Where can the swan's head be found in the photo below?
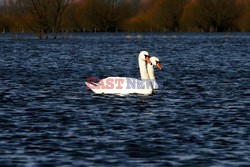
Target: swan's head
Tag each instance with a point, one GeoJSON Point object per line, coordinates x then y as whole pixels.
{"type": "Point", "coordinates": [144, 55]}
{"type": "Point", "coordinates": [156, 62]}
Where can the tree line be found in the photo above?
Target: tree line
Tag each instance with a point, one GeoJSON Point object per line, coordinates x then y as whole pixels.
{"type": "Point", "coordinates": [53, 16]}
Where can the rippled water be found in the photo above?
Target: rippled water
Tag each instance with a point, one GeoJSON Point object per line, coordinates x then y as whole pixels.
{"type": "Point", "coordinates": [200, 117]}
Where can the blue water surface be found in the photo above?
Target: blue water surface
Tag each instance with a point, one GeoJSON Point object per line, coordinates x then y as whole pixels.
{"type": "Point", "coordinates": [200, 117]}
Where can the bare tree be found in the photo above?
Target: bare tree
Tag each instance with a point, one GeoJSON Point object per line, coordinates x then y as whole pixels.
{"type": "Point", "coordinates": [59, 7]}
{"type": "Point", "coordinates": [104, 15]}
{"type": "Point", "coordinates": [42, 16]}
{"type": "Point", "coordinates": [217, 15]}
{"type": "Point", "coordinates": [168, 13]}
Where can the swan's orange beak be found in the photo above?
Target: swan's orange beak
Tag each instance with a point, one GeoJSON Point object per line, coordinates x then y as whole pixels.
{"type": "Point", "coordinates": [159, 65]}
{"type": "Point", "coordinates": [148, 60]}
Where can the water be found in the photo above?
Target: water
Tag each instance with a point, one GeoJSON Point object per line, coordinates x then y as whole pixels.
{"type": "Point", "coordinates": [200, 117]}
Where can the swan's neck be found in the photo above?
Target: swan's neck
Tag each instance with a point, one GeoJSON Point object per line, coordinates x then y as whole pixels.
{"type": "Point", "coordinates": [143, 69]}
{"type": "Point", "coordinates": [151, 74]}
{"type": "Point", "coordinates": [151, 71]}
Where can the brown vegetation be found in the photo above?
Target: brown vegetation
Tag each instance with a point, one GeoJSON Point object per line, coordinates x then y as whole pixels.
{"type": "Point", "coordinates": [214, 15]}
{"type": "Point", "coordinates": [53, 16]}
{"type": "Point", "coordinates": [41, 16]}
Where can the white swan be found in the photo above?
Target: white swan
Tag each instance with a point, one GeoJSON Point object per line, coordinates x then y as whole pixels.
{"type": "Point", "coordinates": [125, 85]}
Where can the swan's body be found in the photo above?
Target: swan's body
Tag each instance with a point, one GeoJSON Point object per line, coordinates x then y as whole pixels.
{"type": "Point", "coordinates": [121, 86]}
{"type": "Point", "coordinates": [125, 85]}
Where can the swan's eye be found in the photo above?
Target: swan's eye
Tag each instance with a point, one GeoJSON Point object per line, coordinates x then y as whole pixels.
{"type": "Point", "coordinates": [147, 56]}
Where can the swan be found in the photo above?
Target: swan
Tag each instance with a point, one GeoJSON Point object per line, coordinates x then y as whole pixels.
{"type": "Point", "coordinates": [126, 85]}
